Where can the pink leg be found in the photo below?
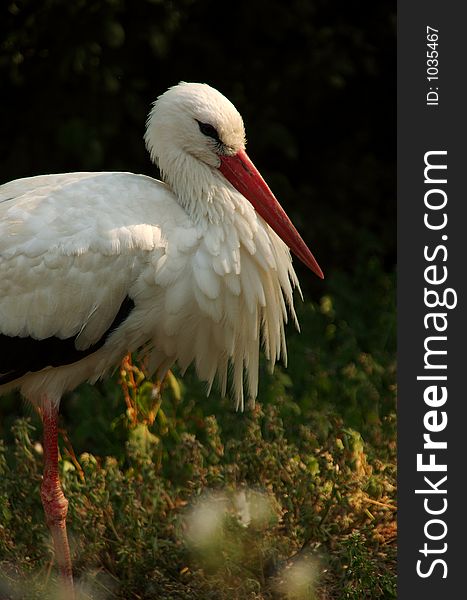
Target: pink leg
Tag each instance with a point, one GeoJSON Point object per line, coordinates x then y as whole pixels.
{"type": "Point", "coordinates": [54, 502]}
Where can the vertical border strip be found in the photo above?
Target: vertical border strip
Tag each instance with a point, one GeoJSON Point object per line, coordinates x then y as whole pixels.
{"type": "Point", "coordinates": [432, 316]}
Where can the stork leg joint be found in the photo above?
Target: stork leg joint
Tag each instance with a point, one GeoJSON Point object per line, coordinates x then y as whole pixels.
{"type": "Point", "coordinates": [54, 502]}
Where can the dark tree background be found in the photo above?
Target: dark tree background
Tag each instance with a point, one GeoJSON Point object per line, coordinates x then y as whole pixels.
{"type": "Point", "coordinates": [313, 79]}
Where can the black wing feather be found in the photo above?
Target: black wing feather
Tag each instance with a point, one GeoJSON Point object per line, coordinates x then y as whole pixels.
{"type": "Point", "coordinates": [21, 355]}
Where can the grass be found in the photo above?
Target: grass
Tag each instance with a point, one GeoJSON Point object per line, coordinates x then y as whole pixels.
{"type": "Point", "coordinates": [182, 498]}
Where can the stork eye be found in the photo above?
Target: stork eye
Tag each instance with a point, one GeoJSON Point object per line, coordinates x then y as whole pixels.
{"type": "Point", "coordinates": [208, 130]}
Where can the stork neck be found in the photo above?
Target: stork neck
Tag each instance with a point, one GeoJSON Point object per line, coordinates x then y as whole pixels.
{"type": "Point", "coordinates": [201, 190]}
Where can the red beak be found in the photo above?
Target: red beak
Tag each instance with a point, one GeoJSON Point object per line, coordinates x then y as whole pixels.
{"type": "Point", "coordinates": [246, 178]}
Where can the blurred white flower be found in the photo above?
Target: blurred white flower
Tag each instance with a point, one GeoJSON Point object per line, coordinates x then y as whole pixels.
{"type": "Point", "coordinates": [205, 520]}
{"type": "Point", "coordinates": [298, 578]}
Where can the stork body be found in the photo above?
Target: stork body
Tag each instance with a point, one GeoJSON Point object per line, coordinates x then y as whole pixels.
{"type": "Point", "coordinates": [80, 248]}
{"type": "Point", "coordinates": [190, 270]}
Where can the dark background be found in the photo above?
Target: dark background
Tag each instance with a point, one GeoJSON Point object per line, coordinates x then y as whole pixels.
{"type": "Point", "coordinates": [314, 81]}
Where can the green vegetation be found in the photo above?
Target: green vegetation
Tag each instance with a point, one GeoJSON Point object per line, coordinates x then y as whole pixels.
{"type": "Point", "coordinates": [174, 495]}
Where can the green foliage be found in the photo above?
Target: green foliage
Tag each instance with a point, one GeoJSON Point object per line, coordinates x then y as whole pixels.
{"type": "Point", "coordinates": [363, 579]}
{"type": "Point", "coordinates": [271, 501]}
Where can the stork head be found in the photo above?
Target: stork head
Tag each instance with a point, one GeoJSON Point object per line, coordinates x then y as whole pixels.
{"type": "Point", "coordinates": [195, 120]}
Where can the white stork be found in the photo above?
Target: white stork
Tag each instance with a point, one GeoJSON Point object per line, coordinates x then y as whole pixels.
{"type": "Point", "coordinates": [195, 268]}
